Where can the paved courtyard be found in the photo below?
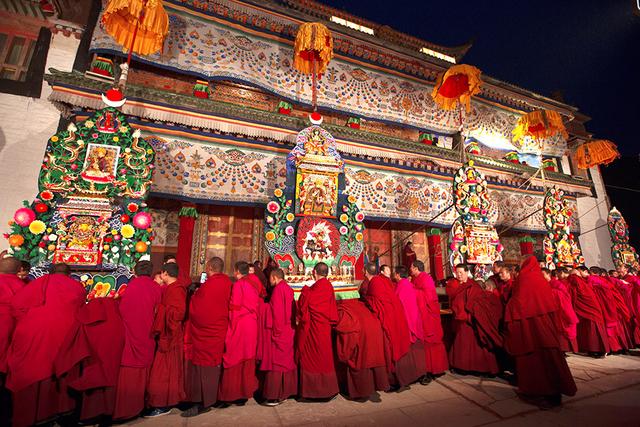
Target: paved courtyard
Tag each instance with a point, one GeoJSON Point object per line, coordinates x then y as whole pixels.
{"type": "Point", "coordinates": [608, 395]}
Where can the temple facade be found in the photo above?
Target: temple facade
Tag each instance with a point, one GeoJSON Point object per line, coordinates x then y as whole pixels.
{"type": "Point", "coordinates": [221, 106]}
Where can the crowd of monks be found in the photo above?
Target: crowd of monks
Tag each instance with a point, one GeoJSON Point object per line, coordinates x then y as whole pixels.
{"type": "Point", "coordinates": [165, 342]}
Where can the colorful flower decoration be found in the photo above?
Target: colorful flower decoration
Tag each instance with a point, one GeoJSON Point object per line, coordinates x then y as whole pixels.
{"type": "Point", "coordinates": [37, 227]}
{"type": "Point", "coordinates": [46, 195]}
{"type": "Point", "coordinates": [127, 231]}
{"type": "Point", "coordinates": [142, 220]}
{"type": "Point", "coordinates": [359, 217]}
{"type": "Point", "coordinates": [132, 207]}
{"type": "Point", "coordinates": [344, 218]}
{"type": "Point", "coordinates": [359, 237]}
{"type": "Point", "coordinates": [16, 240]}
{"type": "Point", "coordinates": [344, 230]}
{"type": "Point", "coordinates": [270, 236]}
{"type": "Point", "coordinates": [289, 231]}
{"type": "Point", "coordinates": [141, 247]}
{"type": "Point", "coordinates": [278, 192]}
{"type": "Point", "coordinates": [273, 207]}
{"type": "Point", "coordinates": [290, 217]}
{"type": "Point", "coordinates": [41, 207]}
{"type": "Point", "coordinates": [24, 216]}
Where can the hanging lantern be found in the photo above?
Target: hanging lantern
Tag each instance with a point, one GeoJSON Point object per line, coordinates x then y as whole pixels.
{"type": "Point", "coordinates": [102, 66]}
{"type": "Point", "coordinates": [314, 45]}
{"type": "Point", "coordinates": [201, 89]}
{"type": "Point", "coordinates": [285, 107]}
{"type": "Point", "coordinates": [426, 138]}
{"type": "Point", "coordinates": [550, 165]}
{"type": "Point", "coordinates": [539, 124]}
{"type": "Point", "coordinates": [137, 25]}
{"type": "Point", "coordinates": [598, 152]}
{"type": "Point", "coordinates": [512, 157]}
{"type": "Point", "coordinates": [457, 85]}
{"type": "Point", "coordinates": [353, 122]}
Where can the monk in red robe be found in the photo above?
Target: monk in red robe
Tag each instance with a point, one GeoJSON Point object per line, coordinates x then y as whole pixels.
{"type": "Point", "coordinates": [429, 307]}
{"type": "Point", "coordinates": [629, 286]}
{"type": "Point", "coordinates": [137, 308]}
{"type": "Point", "coordinates": [207, 329]}
{"type": "Point", "coordinates": [94, 349]}
{"type": "Point", "coordinates": [276, 344]}
{"type": "Point", "coordinates": [407, 294]}
{"type": "Point", "coordinates": [387, 307]}
{"type": "Point", "coordinates": [408, 255]}
{"type": "Point", "coordinates": [476, 321]}
{"type": "Point", "coordinates": [166, 379]}
{"type": "Point", "coordinates": [568, 319]}
{"type": "Point", "coordinates": [360, 350]}
{"type": "Point", "coordinates": [591, 332]}
{"type": "Point", "coordinates": [45, 312]}
{"type": "Point", "coordinates": [10, 284]}
{"type": "Point", "coordinates": [316, 314]}
{"type": "Point", "coordinates": [609, 298]}
{"type": "Point", "coordinates": [531, 338]}
{"type": "Point", "coordinates": [239, 382]}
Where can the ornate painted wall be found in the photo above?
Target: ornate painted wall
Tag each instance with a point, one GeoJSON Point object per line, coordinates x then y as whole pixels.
{"type": "Point", "coordinates": [227, 173]}
{"type": "Point", "coordinates": [210, 50]}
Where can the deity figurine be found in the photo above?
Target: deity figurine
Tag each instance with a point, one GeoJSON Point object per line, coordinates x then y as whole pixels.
{"type": "Point", "coordinates": [316, 144]}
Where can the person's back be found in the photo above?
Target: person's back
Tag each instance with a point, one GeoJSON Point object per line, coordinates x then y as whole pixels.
{"type": "Point", "coordinates": [317, 313]}
{"type": "Point", "coordinates": [206, 330]}
{"type": "Point", "coordinates": [137, 308]}
{"type": "Point", "coordinates": [238, 380]}
{"type": "Point", "coordinates": [45, 312]}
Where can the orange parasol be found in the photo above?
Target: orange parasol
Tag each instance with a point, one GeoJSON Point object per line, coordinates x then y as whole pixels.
{"type": "Point", "coordinates": [598, 152]}
{"type": "Point", "coordinates": [539, 124]}
{"type": "Point", "coordinates": [140, 26]}
{"type": "Point", "coordinates": [312, 51]}
{"type": "Point", "coordinates": [456, 86]}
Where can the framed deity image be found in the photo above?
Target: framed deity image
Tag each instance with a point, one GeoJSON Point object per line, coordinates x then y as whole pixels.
{"type": "Point", "coordinates": [100, 163]}
{"type": "Point", "coordinates": [316, 193]}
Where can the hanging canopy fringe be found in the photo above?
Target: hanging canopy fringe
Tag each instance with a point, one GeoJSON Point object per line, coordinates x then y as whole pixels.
{"type": "Point", "coordinates": [121, 17]}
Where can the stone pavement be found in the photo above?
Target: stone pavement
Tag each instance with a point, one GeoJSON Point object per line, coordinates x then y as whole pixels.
{"type": "Point", "coordinates": [608, 395]}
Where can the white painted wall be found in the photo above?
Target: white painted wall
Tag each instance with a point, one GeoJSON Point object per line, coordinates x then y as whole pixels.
{"type": "Point", "coordinates": [26, 124]}
{"type": "Point", "coordinates": [594, 233]}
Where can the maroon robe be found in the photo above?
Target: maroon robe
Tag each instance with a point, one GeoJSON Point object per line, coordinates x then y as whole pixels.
{"type": "Point", "coordinates": [316, 314]}
{"type": "Point", "coordinates": [387, 307]}
{"type": "Point", "coordinates": [531, 336]}
{"type": "Point", "coordinates": [94, 348]}
{"type": "Point", "coordinates": [408, 256]}
{"type": "Point", "coordinates": [429, 307]}
{"type": "Point", "coordinates": [10, 284]}
{"type": "Point", "coordinates": [567, 318]}
{"type": "Point", "coordinates": [207, 329]}
{"type": "Point", "coordinates": [360, 349]}
{"type": "Point", "coordinates": [45, 312]}
{"type": "Point", "coordinates": [476, 319]}
{"type": "Point", "coordinates": [166, 379]}
{"type": "Point", "coordinates": [276, 344]}
{"type": "Point", "coordinates": [591, 332]}
{"type": "Point", "coordinates": [137, 309]}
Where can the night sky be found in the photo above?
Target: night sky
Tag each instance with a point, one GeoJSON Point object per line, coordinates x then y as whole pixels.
{"type": "Point", "coordinates": [588, 50]}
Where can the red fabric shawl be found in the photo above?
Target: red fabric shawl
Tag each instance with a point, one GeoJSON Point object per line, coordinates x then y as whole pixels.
{"type": "Point", "coordinates": [96, 343]}
{"type": "Point", "coordinates": [531, 294]}
{"type": "Point", "coordinates": [485, 311]}
{"type": "Point", "coordinates": [316, 314]}
{"type": "Point", "coordinates": [45, 310]}
{"type": "Point", "coordinates": [585, 302]}
{"type": "Point", "coordinates": [456, 292]}
{"type": "Point", "coordinates": [624, 311]}
{"type": "Point", "coordinates": [278, 330]}
{"type": "Point", "coordinates": [257, 283]}
{"type": "Point", "coordinates": [568, 317]}
{"type": "Point", "coordinates": [408, 256]}
{"type": "Point", "coordinates": [209, 320]}
{"type": "Point", "coordinates": [10, 284]}
{"type": "Point", "coordinates": [168, 323]}
{"type": "Point", "coordinates": [137, 309]}
{"type": "Point", "coordinates": [387, 307]}
{"type": "Point", "coordinates": [429, 307]}
{"type": "Point", "coordinates": [606, 300]}
{"type": "Point", "coordinates": [360, 342]}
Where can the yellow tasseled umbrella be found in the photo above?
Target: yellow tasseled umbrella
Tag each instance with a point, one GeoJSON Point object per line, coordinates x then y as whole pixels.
{"type": "Point", "coordinates": [598, 152]}
{"type": "Point", "coordinates": [538, 125]}
{"type": "Point", "coordinates": [457, 85]}
{"type": "Point", "coordinates": [139, 26]}
{"type": "Point", "coordinates": [312, 52]}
